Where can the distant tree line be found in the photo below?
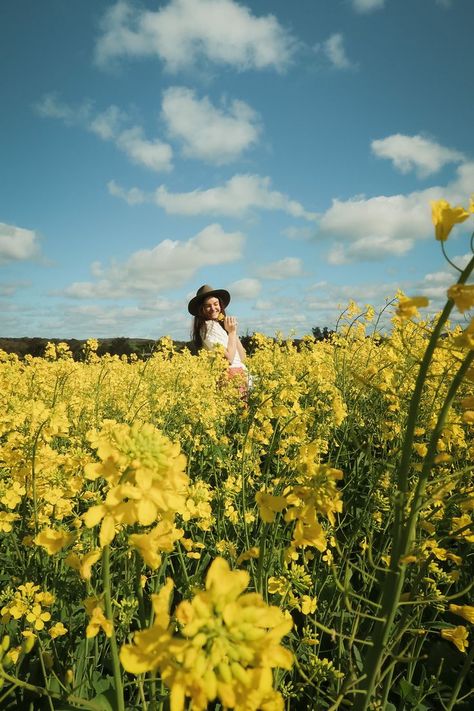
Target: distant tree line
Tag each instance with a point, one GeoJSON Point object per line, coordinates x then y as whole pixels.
{"type": "Point", "coordinates": [143, 348]}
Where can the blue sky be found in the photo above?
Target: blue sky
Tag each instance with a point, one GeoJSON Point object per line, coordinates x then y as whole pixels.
{"type": "Point", "coordinates": [287, 151]}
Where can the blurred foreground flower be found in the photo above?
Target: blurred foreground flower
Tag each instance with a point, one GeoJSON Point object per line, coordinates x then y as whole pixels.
{"type": "Point", "coordinates": [228, 644]}
{"type": "Point", "coordinates": [408, 308]}
{"type": "Point", "coordinates": [445, 217]}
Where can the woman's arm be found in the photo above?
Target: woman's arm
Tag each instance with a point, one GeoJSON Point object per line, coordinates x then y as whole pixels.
{"type": "Point", "coordinates": [230, 325]}
{"type": "Point", "coordinates": [241, 350]}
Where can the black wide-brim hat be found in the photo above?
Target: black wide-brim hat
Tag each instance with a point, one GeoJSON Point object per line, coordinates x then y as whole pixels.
{"type": "Point", "coordinates": [204, 292]}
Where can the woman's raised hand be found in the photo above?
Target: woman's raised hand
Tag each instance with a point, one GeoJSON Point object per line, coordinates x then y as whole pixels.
{"type": "Point", "coordinates": [230, 324]}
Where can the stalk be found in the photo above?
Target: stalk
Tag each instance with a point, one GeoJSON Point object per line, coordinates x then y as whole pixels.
{"type": "Point", "coordinates": [403, 529]}
{"type": "Point", "coordinates": [120, 705]}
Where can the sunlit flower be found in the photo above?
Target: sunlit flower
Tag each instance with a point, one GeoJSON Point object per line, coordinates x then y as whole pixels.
{"type": "Point", "coordinates": [408, 308]}
{"type": "Point", "coordinates": [457, 635]}
{"type": "Point", "coordinates": [445, 217]}
{"type": "Point", "coordinates": [160, 539]}
{"type": "Point", "coordinates": [97, 622]}
{"type": "Point", "coordinates": [227, 647]}
{"type": "Point", "coordinates": [83, 564]}
{"type": "Point", "coordinates": [53, 541]}
{"type": "Point", "coordinates": [57, 630]}
{"type": "Point", "coordinates": [462, 295]}
{"type": "Point", "coordinates": [269, 505]}
{"type": "Point", "coordinates": [465, 611]}
{"type": "Point", "coordinates": [37, 617]}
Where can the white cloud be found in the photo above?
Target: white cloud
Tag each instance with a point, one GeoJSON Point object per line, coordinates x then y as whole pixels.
{"type": "Point", "coordinates": [106, 125]}
{"type": "Point", "coordinates": [367, 5]}
{"type": "Point", "coordinates": [369, 248]}
{"type": "Point", "coordinates": [134, 196]}
{"type": "Point", "coordinates": [167, 266]}
{"type": "Point", "coordinates": [334, 50]}
{"type": "Point", "coordinates": [235, 198]}
{"type": "Point", "coordinates": [185, 31]}
{"type": "Point", "coordinates": [245, 288]}
{"type": "Point", "coordinates": [282, 269]}
{"type": "Point", "coordinates": [17, 244]}
{"type": "Point", "coordinates": [415, 153]}
{"type": "Point", "coordinates": [155, 155]}
{"type": "Point", "coordinates": [109, 125]}
{"type": "Point", "coordinates": [373, 228]}
{"type": "Point", "coordinates": [213, 134]}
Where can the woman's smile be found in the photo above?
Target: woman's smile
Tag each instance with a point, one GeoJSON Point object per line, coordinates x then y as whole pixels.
{"type": "Point", "coordinates": [212, 308]}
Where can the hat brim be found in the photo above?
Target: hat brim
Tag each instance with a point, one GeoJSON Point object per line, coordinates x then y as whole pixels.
{"type": "Point", "coordinates": [195, 303]}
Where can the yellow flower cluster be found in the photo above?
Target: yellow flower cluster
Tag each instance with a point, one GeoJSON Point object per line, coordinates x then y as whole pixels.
{"type": "Point", "coordinates": [227, 646]}
{"type": "Point", "coordinates": [145, 478]}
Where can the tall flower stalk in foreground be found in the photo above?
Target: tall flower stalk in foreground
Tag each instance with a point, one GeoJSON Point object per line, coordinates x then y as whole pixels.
{"type": "Point", "coordinates": [407, 504]}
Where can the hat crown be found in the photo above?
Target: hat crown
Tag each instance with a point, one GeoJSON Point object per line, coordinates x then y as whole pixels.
{"type": "Point", "coordinates": [204, 289]}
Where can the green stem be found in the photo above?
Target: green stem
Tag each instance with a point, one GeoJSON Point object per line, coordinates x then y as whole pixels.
{"type": "Point", "coordinates": [459, 681]}
{"type": "Point", "coordinates": [402, 528]}
{"type": "Point", "coordinates": [113, 640]}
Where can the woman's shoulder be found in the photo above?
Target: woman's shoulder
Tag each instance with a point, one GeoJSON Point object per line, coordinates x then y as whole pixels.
{"type": "Point", "coordinates": [213, 330]}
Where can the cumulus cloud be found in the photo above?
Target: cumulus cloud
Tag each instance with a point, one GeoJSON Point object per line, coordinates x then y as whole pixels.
{"type": "Point", "coordinates": [236, 198]}
{"type": "Point", "coordinates": [369, 248]}
{"type": "Point", "coordinates": [367, 5]}
{"type": "Point", "coordinates": [184, 32]}
{"type": "Point", "coordinates": [155, 155]}
{"type": "Point", "coordinates": [111, 125]}
{"type": "Point", "coordinates": [107, 124]}
{"type": "Point", "coordinates": [335, 51]}
{"type": "Point", "coordinates": [373, 228]}
{"type": "Point", "coordinates": [167, 266]}
{"type": "Point", "coordinates": [17, 244]}
{"type": "Point", "coordinates": [282, 269]}
{"type": "Point", "coordinates": [245, 288]}
{"type": "Point", "coordinates": [216, 135]}
{"type": "Point", "coordinates": [415, 153]}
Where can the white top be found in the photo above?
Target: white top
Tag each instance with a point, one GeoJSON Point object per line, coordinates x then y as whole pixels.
{"type": "Point", "coordinates": [215, 334]}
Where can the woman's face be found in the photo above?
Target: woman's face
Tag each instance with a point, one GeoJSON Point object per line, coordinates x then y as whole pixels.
{"type": "Point", "coordinates": [211, 308]}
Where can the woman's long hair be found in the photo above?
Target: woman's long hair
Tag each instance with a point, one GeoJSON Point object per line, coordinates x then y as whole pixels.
{"type": "Point", "coordinates": [199, 325]}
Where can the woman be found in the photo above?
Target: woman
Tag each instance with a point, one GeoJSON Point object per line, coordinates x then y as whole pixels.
{"type": "Point", "coordinates": [211, 326]}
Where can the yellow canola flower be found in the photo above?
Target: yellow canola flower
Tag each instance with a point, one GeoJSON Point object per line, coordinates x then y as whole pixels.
{"type": "Point", "coordinates": [464, 611]}
{"type": "Point", "coordinates": [161, 538]}
{"type": "Point", "coordinates": [460, 527]}
{"type": "Point", "coordinates": [37, 617]}
{"type": "Point", "coordinates": [457, 635]}
{"type": "Point", "coordinates": [462, 295]}
{"type": "Point", "coordinates": [57, 630]}
{"type": "Point", "coordinates": [83, 564]}
{"type": "Point", "coordinates": [253, 552]}
{"type": "Point", "coordinates": [408, 308]}
{"type": "Point", "coordinates": [53, 541]}
{"type": "Point", "coordinates": [146, 473]}
{"type": "Point", "coordinates": [97, 622]}
{"type": "Point", "coordinates": [229, 642]}
{"type": "Point", "coordinates": [269, 505]}
{"type": "Point", "coordinates": [445, 217]}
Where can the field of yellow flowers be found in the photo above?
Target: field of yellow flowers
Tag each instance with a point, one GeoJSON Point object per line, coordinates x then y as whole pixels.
{"type": "Point", "coordinates": [169, 544]}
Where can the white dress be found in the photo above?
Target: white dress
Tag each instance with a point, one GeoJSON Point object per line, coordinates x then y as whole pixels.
{"type": "Point", "coordinates": [212, 334]}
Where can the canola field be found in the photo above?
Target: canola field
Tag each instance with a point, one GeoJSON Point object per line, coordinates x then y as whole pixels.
{"type": "Point", "coordinates": [170, 544]}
